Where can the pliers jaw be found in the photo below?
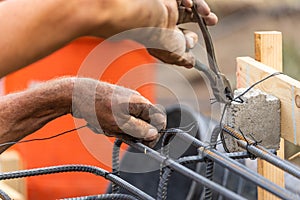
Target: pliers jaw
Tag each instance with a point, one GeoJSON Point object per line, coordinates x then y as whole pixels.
{"type": "Point", "coordinates": [219, 84]}
{"type": "Point", "coordinates": [222, 90]}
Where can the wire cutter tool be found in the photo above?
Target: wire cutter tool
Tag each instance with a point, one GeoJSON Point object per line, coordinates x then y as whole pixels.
{"type": "Point", "coordinates": [219, 83]}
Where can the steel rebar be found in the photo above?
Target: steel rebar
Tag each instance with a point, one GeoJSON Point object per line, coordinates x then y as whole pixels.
{"type": "Point", "coordinates": [116, 164]}
{"type": "Point", "coordinates": [184, 170]}
{"type": "Point", "coordinates": [77, 168]}
{"type": "Point", "coordinates": [263, 153]}
{"type": "Point", "coordinates": [238, 168]}
{"type": "Point", "coordinates": [104, 197]}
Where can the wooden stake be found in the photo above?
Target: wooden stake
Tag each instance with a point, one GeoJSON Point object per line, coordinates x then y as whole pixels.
{"type": "Point", "coordinates": [268, 50]}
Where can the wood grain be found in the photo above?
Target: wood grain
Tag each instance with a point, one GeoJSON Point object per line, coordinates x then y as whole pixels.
{"type": "Point", "coordinates": [268, 51]}
{"type": "Point", "coordinates": [284, 87]}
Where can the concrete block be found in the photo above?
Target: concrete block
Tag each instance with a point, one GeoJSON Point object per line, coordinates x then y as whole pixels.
{"type": "Point", "coordinates": [258, 116]}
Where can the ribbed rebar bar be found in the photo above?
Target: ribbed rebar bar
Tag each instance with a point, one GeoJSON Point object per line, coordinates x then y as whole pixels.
{"type": "Point", "coordinates": [184, 170]}
{"type": "Point", "coordinates": [77, 168]}
{"type": "Point", "coordinates": [210, 163]}
{"type": "Point", "coordinates": [104, 197]}
{"type": "Point", "coordinates": [263, 153]}
{"type": "Point", "coordinates": [116, 164]}
{"type": "Point", "coordinates": [238, 168]}
{"type": "Point", "coordinates": [244, 154]}
{"type": "Point", "coordinates": [161, 194]}
{"type": "Point", "coordinates": [162, 189]}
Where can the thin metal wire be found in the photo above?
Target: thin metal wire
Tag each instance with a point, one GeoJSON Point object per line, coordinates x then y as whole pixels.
{"type": "Point", "coordinates": [42, 139]}
{"type": "Point", "coordinates": [238, 98]}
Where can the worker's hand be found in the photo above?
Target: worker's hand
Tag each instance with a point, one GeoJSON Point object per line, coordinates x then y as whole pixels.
{"type": "Point", "coordinates": [175, 44]}
{"type": "Point", "coordinates": [117, 111]}
{"type": "Point", "coordinates": [186, 14]}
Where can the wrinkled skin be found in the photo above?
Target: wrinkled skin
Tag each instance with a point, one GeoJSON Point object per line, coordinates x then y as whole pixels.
{"type": "Point", "coordinates": [176, 45]}
{"type": "Point", "coordinates": [117, 111]}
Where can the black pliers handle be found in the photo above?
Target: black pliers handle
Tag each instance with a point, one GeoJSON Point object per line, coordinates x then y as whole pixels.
{"type": "Point", "coordinates": [219, 83]}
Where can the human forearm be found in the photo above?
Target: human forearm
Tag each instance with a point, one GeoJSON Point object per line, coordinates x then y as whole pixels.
{"type": "Point", "coordinates": [34, 29]}
{"type": "Point", "coordinates": [23, 113]}
{"type": "Point", "coordinates": [107, 108]}
{"type": "Point", "coordinates": [122, 16]}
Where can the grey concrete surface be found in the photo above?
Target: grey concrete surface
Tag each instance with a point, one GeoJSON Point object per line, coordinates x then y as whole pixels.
{"type": "Point", "coordinates": [258, 117]}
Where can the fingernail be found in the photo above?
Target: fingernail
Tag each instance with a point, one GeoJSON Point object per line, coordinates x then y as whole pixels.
{"type": "Point", "coordinates": [152, 134]}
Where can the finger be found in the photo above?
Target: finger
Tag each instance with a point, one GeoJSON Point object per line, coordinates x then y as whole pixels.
{"type": "Point", "coordinates": [202, 7]}
{"type": "Point", "coordinates": [149, 113]}
{"type": "Point", "coordinates": [191, 38]}
{"type": "Point", "coordinates": [138, 107]}
{"type": "Point", "coordinates": [158, 117]}
{"type": "Point", "coordinates": [185, 15]}
{"type": "Point", "coordinates": [187, 60]}
{"type": "Point", "coordinates": [152, 143]}
{"type": "Point", "coordinates": [139, 129]}
{"type": "Point", "coordinates": [211, 19]}
{"type": "Point", "coordinates": [187, 3]}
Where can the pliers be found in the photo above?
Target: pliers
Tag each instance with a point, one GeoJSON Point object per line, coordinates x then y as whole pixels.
{"type": "Point", "coordinates": [219, 83]}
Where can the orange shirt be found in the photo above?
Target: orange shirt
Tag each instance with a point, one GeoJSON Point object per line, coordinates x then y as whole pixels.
{"type": "Point", "coordinates": [118, 63]}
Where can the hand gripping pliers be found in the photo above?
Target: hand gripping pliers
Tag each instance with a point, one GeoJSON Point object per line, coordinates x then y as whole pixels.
{"type": "Point", "coordinates": [219, 83]}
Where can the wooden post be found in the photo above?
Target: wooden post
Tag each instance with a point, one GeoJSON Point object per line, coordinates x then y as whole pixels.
{"type": "Point", "coordinates": [287, 89]}
{"type": "Point", "coordinates": [268, 50]}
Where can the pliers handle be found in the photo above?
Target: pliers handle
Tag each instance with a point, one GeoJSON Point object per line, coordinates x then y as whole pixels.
{"type": "Point", "coordinates": [219, 83]}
